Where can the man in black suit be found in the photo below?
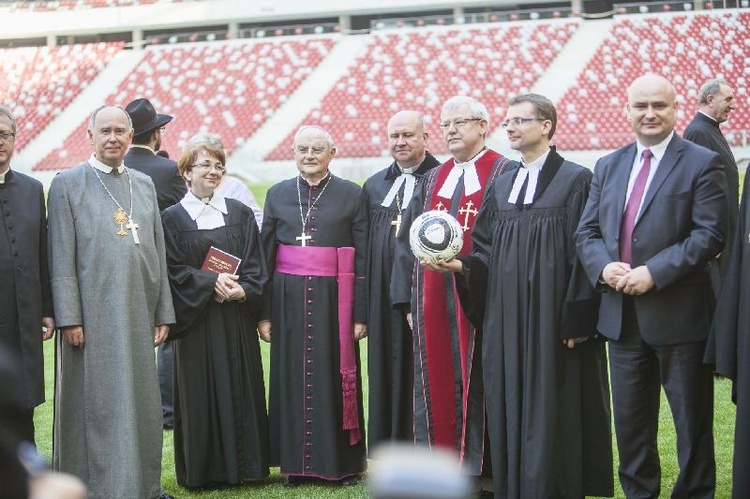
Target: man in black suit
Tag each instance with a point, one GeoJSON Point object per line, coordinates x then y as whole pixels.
{"type": "Point", "coordinates": [716, 102]}
{"type": "Point", "coordinates": [655, 217]}
{"type": "Point", "coordinates": [148, 128]}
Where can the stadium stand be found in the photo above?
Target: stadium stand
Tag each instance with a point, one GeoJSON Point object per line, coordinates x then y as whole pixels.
{"type": "Point", "coordinates": [77, 4]}
{"type": "Point", "coordinates": [39, 82]}
{"type": "Point", "coordinates": [226, 88]}
{"type": "Point", "coordinates": [421, 68]}
{"type": "Point", "coordinates": [686, 48]}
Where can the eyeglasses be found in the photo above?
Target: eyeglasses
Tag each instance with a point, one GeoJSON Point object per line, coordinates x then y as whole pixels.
{"type": "Point", "coordinates": [207, 166]}
{"type": "Point", "coordinates": [304, 150]}
{"type": "Point", "coordinates": [458, 123]}
{"type": "Point", "coordinates": [520, 121]}
{"type": "Point", "coordinates": [162, 130]}
{"type": "Point", "coordinates": [9, 136]}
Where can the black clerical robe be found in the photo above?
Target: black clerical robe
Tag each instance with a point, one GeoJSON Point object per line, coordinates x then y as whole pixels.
{"type": "Point", "coordinates": [220, 421]}
{"type": "Point", "coordinates": [26, 296]}
{"type": "Point", "coordinates": [389, 343]}
{"type": "Point", "coordinates": [305, 399]}
{"type": "Point", "coordinates": [728, 345]}
{"type": "Point", "coordinates": [547, 405]}
{"type": "Point", "coordinates": [705, 132]}
{"type": "Point", "coordinates": [448, 394]}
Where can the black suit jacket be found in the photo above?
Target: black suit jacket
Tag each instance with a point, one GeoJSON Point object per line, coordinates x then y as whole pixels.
{"type": "Point", "coordinates": [170, 186]}
{"type": "Point", "coordinates": [682, 226]}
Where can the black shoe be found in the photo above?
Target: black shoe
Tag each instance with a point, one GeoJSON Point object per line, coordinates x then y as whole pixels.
{"type": "Point", "coordinates": [165, 495]}
{"type": "Point", "coordinates": [349, 481]}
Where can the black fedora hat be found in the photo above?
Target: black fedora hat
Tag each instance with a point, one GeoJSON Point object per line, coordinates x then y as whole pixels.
{"type": "Point", "coordinates": [144, 116]}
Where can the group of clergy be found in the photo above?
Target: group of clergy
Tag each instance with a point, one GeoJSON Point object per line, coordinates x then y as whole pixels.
{"type": "Point", "coordinates": [497, 355]}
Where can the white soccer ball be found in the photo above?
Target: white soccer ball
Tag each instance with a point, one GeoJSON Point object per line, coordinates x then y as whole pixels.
{"type": "Point", "coordinates": [435, 236]}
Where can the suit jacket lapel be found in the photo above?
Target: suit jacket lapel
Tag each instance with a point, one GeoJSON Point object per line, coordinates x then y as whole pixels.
{"type": "Point", "coordinates": [666, 165]}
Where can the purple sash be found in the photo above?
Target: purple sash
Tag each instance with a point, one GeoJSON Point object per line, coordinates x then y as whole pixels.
{"type": "Point", "coordinates": [332, 262]}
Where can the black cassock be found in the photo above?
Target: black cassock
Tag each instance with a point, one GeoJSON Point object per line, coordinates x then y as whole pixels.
{"type": "Point", "coordinates": [728, 345]}
{"type": "Point", "coordinates": [547, 405]}
{"type": "Point", "coordinates": [305, 399]}
{"type": "Point", "coordinates": [705, 132]}
{"type": "Point", "coordinates": [220, 421]}
{"type": "Point", "coordinates": [389, 342]}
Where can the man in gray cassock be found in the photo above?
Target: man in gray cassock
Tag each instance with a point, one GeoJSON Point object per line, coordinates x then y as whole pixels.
{"type": "Point", "coordinates": [113, 304]}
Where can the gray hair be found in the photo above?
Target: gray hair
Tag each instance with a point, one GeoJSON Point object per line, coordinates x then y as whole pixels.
{"type": "Point", "coordinates": [4, 111]}
{"type": "Point", "coordinates": [322, 130]}
{"type": "Point", "coordinates": [206, 137]}
{"type": "Point", "coordinates": [92, 120]}
{"type": "Point", "coordinates": [478, 110]}
{"type": "Point", "coordinates": [711, 87]}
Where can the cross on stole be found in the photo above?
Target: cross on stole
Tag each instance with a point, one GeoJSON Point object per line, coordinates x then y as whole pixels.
{"type": "Point", "coordinates": [467, 211]}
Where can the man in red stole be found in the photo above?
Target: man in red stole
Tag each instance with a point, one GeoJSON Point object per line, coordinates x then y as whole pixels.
{"type": "Point", "coordinates": [448, 395]}
{"type": "Point", "coordinates": [314, 238]}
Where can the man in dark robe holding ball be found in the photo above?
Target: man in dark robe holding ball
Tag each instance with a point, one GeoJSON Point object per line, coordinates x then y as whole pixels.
{"type": "Point", "coordinates": [545, 376]}
{"type": "Point", "coordinates": [448, 397]}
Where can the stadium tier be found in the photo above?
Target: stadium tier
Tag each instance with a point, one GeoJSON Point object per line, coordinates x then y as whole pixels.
{"type": "Point", "coordinates": [39, 82]}
{"type": "Point", "coordinates": [76, 4]}
{"type": "Point", "coordinates": [421, 68]}
{"type": "Point", "coordinates": [226, 88]}
{"type": "Point", "coordinates": [688, 49]}
{"type": "Point", "coordinates": [231, 88]}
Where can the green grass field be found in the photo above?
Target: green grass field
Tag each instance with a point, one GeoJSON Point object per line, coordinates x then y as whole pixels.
{"type": "Point", "coordinates": [724, 412]}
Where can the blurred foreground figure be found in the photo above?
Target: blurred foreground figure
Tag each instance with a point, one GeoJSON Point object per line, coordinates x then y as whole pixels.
{"type": "Point", "coordinates": [408, 472]}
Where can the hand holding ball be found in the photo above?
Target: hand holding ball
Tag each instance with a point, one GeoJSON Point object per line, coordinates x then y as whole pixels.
{"type": "Point", "coordinates": [435, 236]}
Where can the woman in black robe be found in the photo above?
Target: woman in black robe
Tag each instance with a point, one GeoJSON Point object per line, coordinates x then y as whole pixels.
{"type": "Point", "coordinates": [221, 424]}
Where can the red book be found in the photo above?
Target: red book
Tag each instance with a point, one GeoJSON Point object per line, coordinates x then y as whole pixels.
{"type": "Point", "coordinates": [220, 262]}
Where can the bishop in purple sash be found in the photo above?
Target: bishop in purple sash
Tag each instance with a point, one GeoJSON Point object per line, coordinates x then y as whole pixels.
{"type": "Point", "coordinates": [314, 312]}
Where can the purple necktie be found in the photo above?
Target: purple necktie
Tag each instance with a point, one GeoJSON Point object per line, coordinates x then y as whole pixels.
{"type": "Point", "coordinates": [631, 209]}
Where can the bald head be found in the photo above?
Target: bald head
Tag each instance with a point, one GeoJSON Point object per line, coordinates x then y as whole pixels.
{"type": "Point", "coordinates": [407, 139]}
{"type": "Point", "coordinates": [652, 108]}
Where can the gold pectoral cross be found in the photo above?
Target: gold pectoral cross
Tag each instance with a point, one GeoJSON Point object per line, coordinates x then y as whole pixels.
{"type": "Point", "coordinates": [397, 223]}
{"type": "Point", "coordinates": [303, 238]}
{"type": "Point", "coordinates": [120, 219]}
{"type": "Point", "coordinates": [133, 227]}
{"type": "Point", "coordinates": [467, 211]}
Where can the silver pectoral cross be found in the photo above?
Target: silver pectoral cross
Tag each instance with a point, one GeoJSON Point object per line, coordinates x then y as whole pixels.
{"type": "Point", "coordinates": [133, 227]}
{"type": "Point", "coordinates": [303, 238]}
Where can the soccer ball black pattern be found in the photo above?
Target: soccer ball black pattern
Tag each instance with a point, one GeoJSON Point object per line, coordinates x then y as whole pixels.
{"type": "Point", "coordinates": [435, 236]}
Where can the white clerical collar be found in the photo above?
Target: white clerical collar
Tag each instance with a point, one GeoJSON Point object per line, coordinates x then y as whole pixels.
{"type": "Point", "coordinates": [142, 146]}
{"type": "Point", "coordinates": [207, 213]}
{"type": "Point", "coordinates": [2, 176]}
{"type": "Point", "coordinates": [93, 161]}
{"type": "Point", "coordinates": [531, 172]}
{"type": "Point", "coordinates": [469, 172]}
{"type": "Point", "coordinates": [708, 116]}
{"type": "Point", "coordinates": [409, 171]}
{"type": "Point", "coordinates": [658, 150]}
